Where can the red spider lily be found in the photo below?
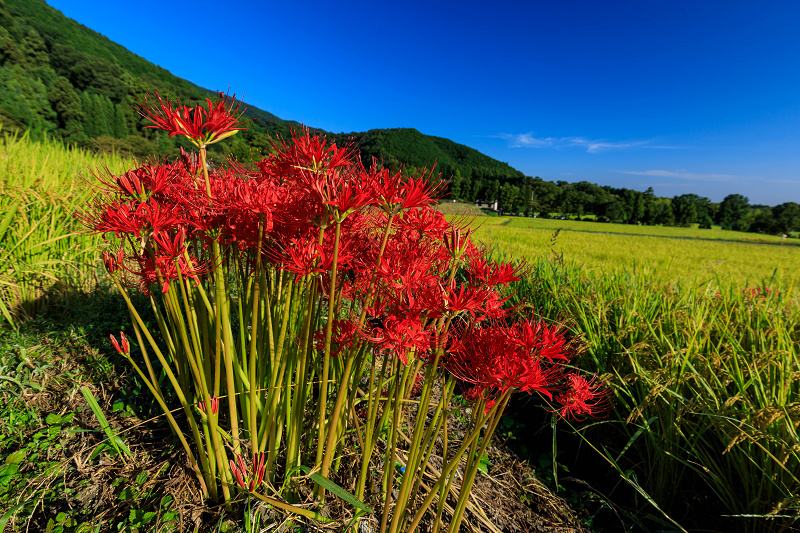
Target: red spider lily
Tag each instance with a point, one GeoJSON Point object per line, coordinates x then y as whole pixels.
{"type": "Point", "coordinates": [249, 480]}
{"type": "Point", "coordinates": [125, 349]}
{"type": "Point", "coordinates": [757, 292]}
{"type": "Point", "coordinates": [203, 126]}
{"type": "Point", "coordinates": [344, 335]}
{"type": "Point", "coordinates": [349, 196]}
{"type": "Point", "coordinates": [421, 191]}
{"type": "Point", "coordinates": [386, 187]}
{"type": "Point", "coordinates": [486, 357]}
{"type": "Point", "coordinates": [456, 240]}
{"type": "Point", "coordinates": [492, 274]}
{"type": "Point", "coordinates": [173, 247]}
{"type": "Point", "coordinates": [146, 218]}
{"type": "Point", "coordinates": [492, 306]}
{"type": "Point", "coordinates": [539, 339]}
{"type": "Point", "coordinates": [395, 191]}
{"type": "Point", "coordinates": [255, 197]}
{"type": "Point", "coordinates": [303, 257]}
{"type": "Point", "coordinates": [467, 299]}
{"type": "Point", "coordinates": [214, 401]}
{"type": "Point", "coordinates": [113, 263]}
{"type": "Point", "coordinates": [476, 393]}
{"type": "Point", "coordinates": [584, 397]}
{"type": "Point", "coordinates": [143, 182]}
{"type": "Point", "coordinates": [401, 336]}
{"type": "Point", "coordinates": [313, 153]}
{"type": "Point", "coordinates": [164, 269]}
{"type": "Point", "coordinates": [117, 217]}
{"type": "Point", "coordinates": [424, 220]}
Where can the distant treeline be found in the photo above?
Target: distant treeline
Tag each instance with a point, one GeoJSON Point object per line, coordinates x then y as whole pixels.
{"type": "Point", "coordinates": [58, 78]}
{"type": "Point", "coordinates": [583, 199]}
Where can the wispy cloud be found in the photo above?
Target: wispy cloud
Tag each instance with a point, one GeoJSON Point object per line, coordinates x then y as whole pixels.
{"type": "Point", "coordinates": [592, 146]}
{"type": "Point", "coordinates": [681, 174]}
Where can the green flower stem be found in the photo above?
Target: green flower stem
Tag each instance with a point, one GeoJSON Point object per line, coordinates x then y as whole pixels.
{"type": "Point", "coordinates": [181, 397]}
{"type": "Point", "coordinates": [372, 414]}
{"type": "Point", "coordinates": [416, 449]}
{"type": "Point", "coordinates": [326, 358]}
{"type": "Point", "coordinates": [391, 452]}
{"type": "Point", "coordinates": [212, 460]}
{"type": "Point", "coordinates": [269, 417]}
{"type": "Point", "coordinates": [448, 468]}
{"type": "Point", "coordinates": [445, 490]}
{"type": "Point", "coordinates": [188, 353]}
{"type": "Point", "coordinates": [204, 165]}
{"type": "Point", "coordinates": [174, 425]}
{"type": "Point", "coordinates": [435, 427]}
{"type": "Point", "coordinates": [148, 364]}
{"type": "Point", "coordinates": [341, 397]}
{"type": "Point", "coordinates": [253, 338]}
{"type": "Point", "coordinates": [223, 322]}
{"type": "Point", "coordinates": [473, 460]}
{"type": "Point", "coordinates": [298, 400]}
{"type": "Point", "coordinates": [293, 509]}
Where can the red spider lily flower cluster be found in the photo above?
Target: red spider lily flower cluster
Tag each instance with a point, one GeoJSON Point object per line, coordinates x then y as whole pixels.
{"type": "Point", "coordinates": [400, 263]}
{"type": "Point", "coordinates": [583, 397]}
{"type": "Point", "coordinates": [249, 479]}
{"type": "Point", "coordinates": [526, 356]}
{"type": "Point", "coordinates": [203, 126]}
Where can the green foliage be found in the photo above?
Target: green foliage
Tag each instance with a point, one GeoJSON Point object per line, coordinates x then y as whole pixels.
{"type": "Point", "coordinates": [733, 212]}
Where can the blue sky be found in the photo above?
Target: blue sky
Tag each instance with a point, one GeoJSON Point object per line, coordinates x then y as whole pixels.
{"type": "Point", "coordinates": [686, 97]}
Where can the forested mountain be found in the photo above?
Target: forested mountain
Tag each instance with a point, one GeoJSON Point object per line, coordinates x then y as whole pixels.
{"type": "Point", "coordinates": [407, 146]}
{"type": "Point", "coordinates": [62, 79]}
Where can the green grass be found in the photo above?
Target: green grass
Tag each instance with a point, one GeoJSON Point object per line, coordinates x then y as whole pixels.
{"type": "Point", "coordinates": [43, 251]}
{"type": "Point", "coordinates": [706, 377]}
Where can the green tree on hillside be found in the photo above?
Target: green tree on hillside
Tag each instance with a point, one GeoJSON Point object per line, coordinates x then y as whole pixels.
{"type": "Point", "coordinates": [66, 102]}
{"type": "Point", "coordinates": [26, 99]}
{"type": "Point", "coordinates": [684, 207]}
{"type": "Point", "coordinates": [509, 197]}
{"type": "Point", "coordinates": [34, 50]}
{"type": "Point", "coordinates": [787, 216]}
{"type": "Point", "coordinates": [733, 213]}
{"type": "Point", "coordinates": [119, 125]}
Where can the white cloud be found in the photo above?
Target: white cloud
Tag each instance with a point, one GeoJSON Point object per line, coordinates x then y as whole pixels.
{"type": "Point", "coordinates": [592, 146]}
{"type": "Point", "coordinates": [527, 140]}
{"type": "Point", "coordinates": [680, 174]}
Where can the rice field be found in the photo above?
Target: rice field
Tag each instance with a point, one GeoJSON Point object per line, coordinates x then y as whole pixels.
{"type": "Point", "coordinates": [699, 340]}
{"type": "Point", "coordinates": [42, 250]}
{"type": "Point", "coordinates": [663, 253]}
